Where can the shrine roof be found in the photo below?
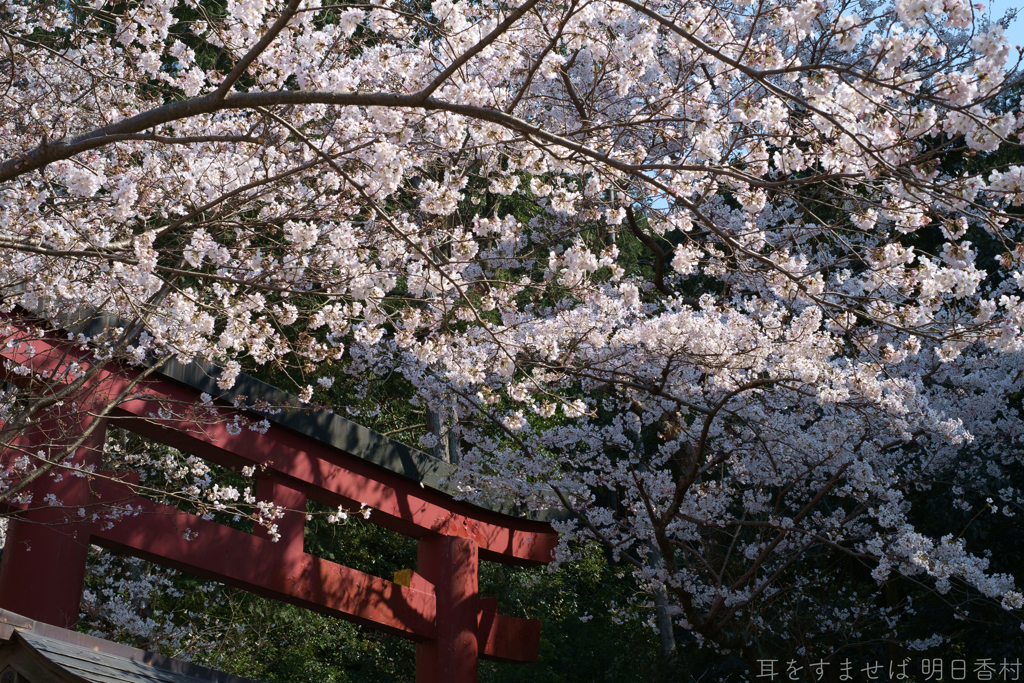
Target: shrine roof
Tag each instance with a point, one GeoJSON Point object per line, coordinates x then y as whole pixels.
{"type": "Point", "coordinates": [41, 653]}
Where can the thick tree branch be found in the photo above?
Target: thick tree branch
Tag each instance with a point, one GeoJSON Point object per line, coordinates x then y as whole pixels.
{"type": "Point", "coordinates": [286, 15]}
{"type": "Point", "coordinates": [660, 256]}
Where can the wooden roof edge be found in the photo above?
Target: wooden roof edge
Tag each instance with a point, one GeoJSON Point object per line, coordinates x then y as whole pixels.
{"type": "Point", "coordinates": [12, 623]}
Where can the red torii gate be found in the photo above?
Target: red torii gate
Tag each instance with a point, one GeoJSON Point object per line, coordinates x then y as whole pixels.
{"type": "Point", "coordinates": [322, 457]}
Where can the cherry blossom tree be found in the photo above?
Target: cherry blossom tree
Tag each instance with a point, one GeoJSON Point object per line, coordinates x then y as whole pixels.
{"type": "Point", "coordinates": [735, 282]}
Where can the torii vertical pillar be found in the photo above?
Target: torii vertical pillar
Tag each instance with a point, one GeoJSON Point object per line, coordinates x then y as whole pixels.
{"type": "Point", "coordinates": [451, 564]}
{"type": "Point", "coordinates": [43, 567]}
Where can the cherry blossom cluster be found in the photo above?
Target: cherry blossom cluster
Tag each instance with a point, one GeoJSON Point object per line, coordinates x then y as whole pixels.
{"type": "Point", "coordinates": [737, 282]}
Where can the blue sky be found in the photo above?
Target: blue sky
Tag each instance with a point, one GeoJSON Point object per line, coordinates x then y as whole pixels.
{"type": "Point", "coordinates": [998, 7]}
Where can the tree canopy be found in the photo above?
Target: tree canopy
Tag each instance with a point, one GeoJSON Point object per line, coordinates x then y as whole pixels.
{"type": "Point", "coordinates": [736, 283]}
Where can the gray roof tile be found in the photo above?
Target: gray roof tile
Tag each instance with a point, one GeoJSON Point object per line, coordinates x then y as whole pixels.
{"type": "Point", "coordinates": [100, 661]}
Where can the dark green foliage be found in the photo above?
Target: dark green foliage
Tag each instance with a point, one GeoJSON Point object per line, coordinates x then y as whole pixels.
{"type": "Point", "coordinates": [598, 647]}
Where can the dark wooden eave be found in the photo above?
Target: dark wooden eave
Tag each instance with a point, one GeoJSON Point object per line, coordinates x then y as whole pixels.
{"type": "Point", "coordinates": [40, 653]}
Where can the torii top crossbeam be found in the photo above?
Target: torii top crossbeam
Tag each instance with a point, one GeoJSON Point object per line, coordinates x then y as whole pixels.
{"type": "Point", "coordinates": [320, 457]}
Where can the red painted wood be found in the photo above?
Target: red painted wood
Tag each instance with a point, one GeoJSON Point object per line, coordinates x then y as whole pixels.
{"type": "Point", "coordinates": [333, 477]}
{"type": "Point", "coordinates": [398, 503]}
{"type": "Point", "coordinates": [441, 610]}
{"type": "Point", "coordinates": [161, 534]}
{"type": "Point", "coordinates": [506, 639]}
{"type": "Point", "coordinates": [43, 566]}
{"type": "Point", "coordinates": [451, 564]}
{"type": "Point", "coordinates": [291, 527]}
